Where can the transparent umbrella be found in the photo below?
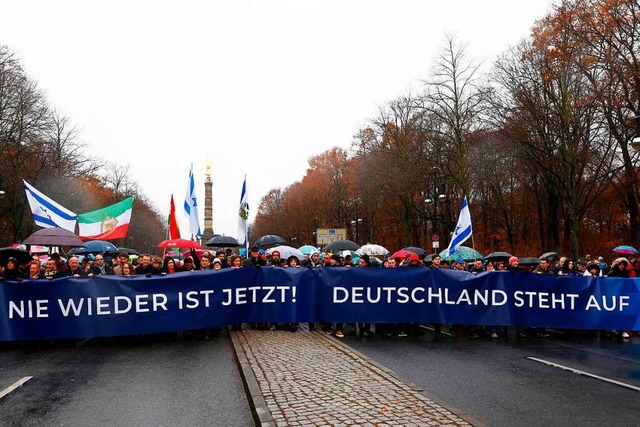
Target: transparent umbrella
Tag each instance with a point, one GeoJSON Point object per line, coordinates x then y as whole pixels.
{"type": "Point", "coordinates": [287, 251]}
{"type": "Point", "coordinates": [464, 252]}
{"type": "Point", "coordinates": [372, 250]}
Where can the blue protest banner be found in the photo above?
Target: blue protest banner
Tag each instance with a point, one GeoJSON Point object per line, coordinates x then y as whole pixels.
{"type": "Point", "coordinates": [117, 305]}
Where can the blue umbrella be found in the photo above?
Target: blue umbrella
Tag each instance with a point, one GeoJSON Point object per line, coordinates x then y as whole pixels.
{"type": "Point", "coordinates": [94, 247]}
{"type": "Point", "coordinates": [307, 249]}
{"type": "Point", "coordinates": [625, 250]}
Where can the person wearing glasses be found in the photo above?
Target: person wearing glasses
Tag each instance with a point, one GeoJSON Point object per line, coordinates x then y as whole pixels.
{"type": "Point", "coordinates": [99, 267]}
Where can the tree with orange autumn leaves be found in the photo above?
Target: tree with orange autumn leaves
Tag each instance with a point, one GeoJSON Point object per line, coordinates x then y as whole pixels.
{"type": "Point", "coordinates": [41, 146]}
{"type": "Point", "coordinates": [539, 146]}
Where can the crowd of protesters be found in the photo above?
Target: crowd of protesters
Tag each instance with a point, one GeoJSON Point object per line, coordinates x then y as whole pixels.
{"type": "Point", "coordinates": [124, 264]}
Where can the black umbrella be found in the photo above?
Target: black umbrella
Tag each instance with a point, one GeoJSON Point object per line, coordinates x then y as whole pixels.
{"type": "Point", "coordinates": [528, 261]}
{"type": "Point", "coordinates": [222, 242]}
{"type": "Point", "coordinates": [550, 256]}
{"type": "Point", "coordinates": [53, 237]}
{"type": "Point", "coordinates": [498, 256]}
{"type": "Point", "coordinates": [341, 245]}
{"type": "Point", "coordinates": [269, 241]}
{"type": "Point", "coordinates": [429, 258]}
{"type": "Point", "coordinates": [128, 251]}
{"type": "Point", "coordinates": [21, 256]}
{"type": "Point", "coordinates": [94, 247]}
{"type": "Point", "coordinates": [418, 251]}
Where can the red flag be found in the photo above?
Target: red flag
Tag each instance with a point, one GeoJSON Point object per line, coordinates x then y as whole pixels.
{"type": "Point", "coordinates": [174, 230]}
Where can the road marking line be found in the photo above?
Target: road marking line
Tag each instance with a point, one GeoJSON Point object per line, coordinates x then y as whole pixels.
{"type": "Point", "coordinates": [442, 332]}
{"type": "Point", "coordinates": [14, 386]}
{"type": "Point", "coordinates": [587, 374]}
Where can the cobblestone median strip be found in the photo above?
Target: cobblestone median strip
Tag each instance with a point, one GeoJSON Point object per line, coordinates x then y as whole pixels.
{"type": "Point", "coordinates": [307, 378]}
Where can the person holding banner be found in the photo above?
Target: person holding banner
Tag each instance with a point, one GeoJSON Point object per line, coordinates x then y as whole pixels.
{"type": "Point", "coordinates": [169, 266]}
{"type": "Point", "coordinates": [122, 259]}
{"type": "Point", "coordinates": [74, 268]}
{"type": "Point", "coordinates": [99, 267]}
{"type": "Point", "coordinates": [275, 260]}
{"type": "Point", "coordinates": [205, 262]}
{"type": "Point", "coordinates": [254, 259]}
{"type": "Point", "coordinates": [35, 272]}
{"type": "Point", "coordinates": [51, 270]}
{"type": "Point", "coordinates": [11, 270]}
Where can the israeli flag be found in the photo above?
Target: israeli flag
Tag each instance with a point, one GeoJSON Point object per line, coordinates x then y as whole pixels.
{"type": "Point", "coordinates": [243, 214]}
{"type": "Point", "coordinates": [463, 230]}
{"type": "Point", "coordinates": [191, 206]}
{"type": "Point", "coordinates": [47, 213]}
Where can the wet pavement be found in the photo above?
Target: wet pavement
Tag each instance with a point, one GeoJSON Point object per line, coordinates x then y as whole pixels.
{"type": "Point", "coordinates": [309, 378]}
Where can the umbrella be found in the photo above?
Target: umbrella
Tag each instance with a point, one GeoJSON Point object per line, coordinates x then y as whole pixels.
{"type": "Point", "coordinates": [429, 258]}
{"type": "Point", "coordinates": [128, 251]}
{"type": "Point", "coordinates": [416, 250]}
{"type": "Point", "coordinates": [222, 242]}
{"type": "Point", "coordinates": [199, 253]}
{"type": "Point", "coordinates": [341, 245]}
{"type": "Point", "coordinates": [549, 255]}
{"type": "Point", "coordinates": [375, 262]}
{"type": "Point", "coordinates": [307, 249]}
{"type": "Point", "coordinates": [528, 261]}
{"type": "Point", "coordinates": [21, 256]}
{"type": "Point", "coordinates": [403, 253]}
{"type": "Point", "coordinates": [625, 250]}
{"type": "Point", "coordinates": [53, 237]}
{"type": "Point", "coordinates": [94, 247]}
{"type": "Point", "coordinates": [286, 252]}
{"type": "Point", "coordinates": [346, 252]}
{"type": "Point", "coordinates": [498, 256]}
{"type": "Point", "coordinates": [372, 250]}
{"type": "Point", "coordinates": [269, 240]}
{"type": "Point", "coordinates": [354, 257]}
{"type": "Point", "coordinates": [464, 252]}
{"type": "Point", "coordinates": [179, 243]}
{"type": "Point", "coordinates": [175, 254]}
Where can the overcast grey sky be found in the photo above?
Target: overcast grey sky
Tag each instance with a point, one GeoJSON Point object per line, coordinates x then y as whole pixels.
{"type": "Point", "coordinates": [255, 87]}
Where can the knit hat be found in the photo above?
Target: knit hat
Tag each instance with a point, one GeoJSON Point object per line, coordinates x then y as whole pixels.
{"type": "Point", "coordinates": [513, 259]}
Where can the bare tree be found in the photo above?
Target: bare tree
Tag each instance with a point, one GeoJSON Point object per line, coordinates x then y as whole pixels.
{"type": "Point", "coordinates": [456, 100]}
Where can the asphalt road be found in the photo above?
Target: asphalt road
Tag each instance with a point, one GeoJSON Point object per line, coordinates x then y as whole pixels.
{"type": "Point", "coordinates": [161, 381]}
{"type": "Point", "coordinates": [125, 381]}
{"type": "Point", "coordinates": [497, 383]}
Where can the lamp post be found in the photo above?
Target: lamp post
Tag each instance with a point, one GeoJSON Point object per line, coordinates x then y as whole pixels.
{"type": "Point", "coordinates": [355, 221]}
{"type": "Point", "coordinates": [635, 138]}
{"type": "Point", "coordinates": [433, 196]}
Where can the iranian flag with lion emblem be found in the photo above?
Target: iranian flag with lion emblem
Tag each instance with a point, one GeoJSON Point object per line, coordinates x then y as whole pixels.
{"type": "Point", "coordinates": [111, 222]}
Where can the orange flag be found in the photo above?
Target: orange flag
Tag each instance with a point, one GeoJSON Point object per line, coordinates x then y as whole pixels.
{"type": "Point", "coordinates": [174, 230]}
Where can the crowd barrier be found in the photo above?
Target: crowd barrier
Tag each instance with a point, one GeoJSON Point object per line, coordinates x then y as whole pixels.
{"type": "Point", "coordinates": [116, 305]}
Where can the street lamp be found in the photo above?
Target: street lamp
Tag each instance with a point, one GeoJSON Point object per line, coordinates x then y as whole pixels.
{"type": "Point", "coordinates": [355, 221]}
{"type": "Point", "coordinates": [432, 196]}
{"type": "Point", "coordinates": [635, 138]}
